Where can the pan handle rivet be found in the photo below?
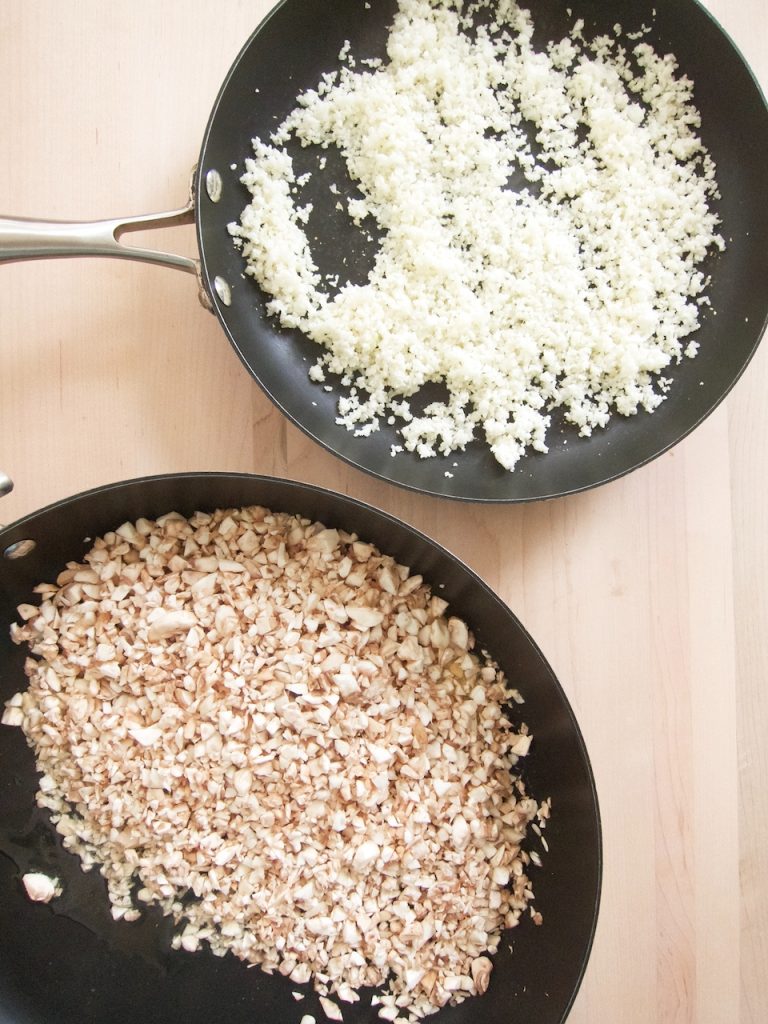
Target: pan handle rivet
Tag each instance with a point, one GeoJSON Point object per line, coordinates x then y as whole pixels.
{"type": "Point", "coordinates": [223, 290]}
{"type": "Point", "coordinates": [213, 185]}
{"type": "Point", "coordinates": [19, 549]}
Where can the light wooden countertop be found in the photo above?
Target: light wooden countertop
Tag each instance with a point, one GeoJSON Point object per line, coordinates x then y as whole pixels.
{"type": "Point", "coordinates": [648, 595]}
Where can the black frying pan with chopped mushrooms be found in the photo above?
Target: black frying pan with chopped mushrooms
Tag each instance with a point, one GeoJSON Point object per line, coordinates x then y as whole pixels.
{"type": "Point", "coordinates": [68, 960]}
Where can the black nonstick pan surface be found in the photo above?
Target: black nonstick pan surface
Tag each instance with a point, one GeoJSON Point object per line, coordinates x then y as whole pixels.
{"type": "Point", "coordinates": [69, 962]}
{"type": "Point", "coordinates": [288, 53]}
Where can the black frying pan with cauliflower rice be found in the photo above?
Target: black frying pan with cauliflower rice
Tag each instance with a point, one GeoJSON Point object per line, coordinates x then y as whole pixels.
{"type": "Point", "coordinates": [261, 91]}
{"type": "Point", "coordinates": [577, 413]}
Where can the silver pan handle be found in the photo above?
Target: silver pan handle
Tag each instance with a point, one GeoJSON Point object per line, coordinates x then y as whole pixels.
{"type": "Point", "coordinates": [31, 239]}
{"type": "Point", "coordinates": [6, 484]}
{"type": "Point", "coordinates": [27, 239]}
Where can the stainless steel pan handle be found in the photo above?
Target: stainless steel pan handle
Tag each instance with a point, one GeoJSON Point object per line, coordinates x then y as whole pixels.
{"type": "Point", "coordinates": [32, 239]}
{"type": "Point", "coordinates": [27, 239]}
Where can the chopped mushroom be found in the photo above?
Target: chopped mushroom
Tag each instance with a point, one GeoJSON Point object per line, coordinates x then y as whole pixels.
{"type": "Point", "coordinates": [41, 888]}
{"type": "Point", "coordinates": [330, 1009]}
{"type": "Point", "coordinates": [297, 744]}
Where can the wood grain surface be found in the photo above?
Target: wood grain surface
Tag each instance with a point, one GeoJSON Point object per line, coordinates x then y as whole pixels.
{"type": "Point", "coordinates": [648, 595]}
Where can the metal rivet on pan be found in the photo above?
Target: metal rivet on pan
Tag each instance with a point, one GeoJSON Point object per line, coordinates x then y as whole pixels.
{"type": "Point", "coordinates": [213, 185]}
{"type": "Point", "coordinates": [223, 290]}
{"type": "Point", "coordinates": [19, 549]}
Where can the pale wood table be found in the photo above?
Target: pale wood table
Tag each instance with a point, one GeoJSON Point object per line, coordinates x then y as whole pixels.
{"type": "Point", "coordinates": [647, 595]}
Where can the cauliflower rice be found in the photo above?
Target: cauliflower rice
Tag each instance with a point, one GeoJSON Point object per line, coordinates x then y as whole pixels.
{"type": "Point", "coordinates": [576, 291]}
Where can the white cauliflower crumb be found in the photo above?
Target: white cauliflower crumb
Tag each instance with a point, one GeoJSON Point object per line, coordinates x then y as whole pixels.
{"type": "Point", "coordinates": [283, 739]}
{"type": "Point", "coordinates": [572, 291]}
